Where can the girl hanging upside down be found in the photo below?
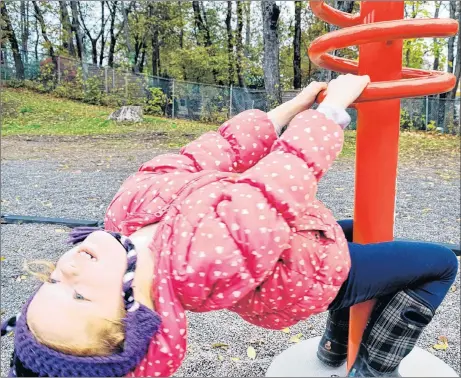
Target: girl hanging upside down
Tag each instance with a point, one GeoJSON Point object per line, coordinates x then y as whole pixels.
{"type": "Point", "coordinates": [231, 222]}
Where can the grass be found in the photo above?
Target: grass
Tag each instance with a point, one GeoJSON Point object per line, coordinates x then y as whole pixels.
{"type": "Point", "coordinates": [27, 113]}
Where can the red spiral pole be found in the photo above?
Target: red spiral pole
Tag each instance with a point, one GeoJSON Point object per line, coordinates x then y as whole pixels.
{"type": "Point", "coordinates": [378, 29]}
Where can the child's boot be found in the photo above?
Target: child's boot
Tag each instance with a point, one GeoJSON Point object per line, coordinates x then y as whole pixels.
{"type": "Point", "coordinates": [332, 350]}
{"type": "Point", "coordinates": [395, 325]}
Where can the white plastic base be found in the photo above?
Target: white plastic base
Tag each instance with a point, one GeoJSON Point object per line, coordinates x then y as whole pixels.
{"type": "Point", "coordinates": [301, 360]}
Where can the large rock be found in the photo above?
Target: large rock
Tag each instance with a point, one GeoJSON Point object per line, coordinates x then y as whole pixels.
{"type": "Point", "coordinates": [127, 114]}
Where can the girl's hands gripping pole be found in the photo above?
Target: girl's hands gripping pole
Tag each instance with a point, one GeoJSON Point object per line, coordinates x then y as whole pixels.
{"type": "Point", "coordinates": [344, 90]}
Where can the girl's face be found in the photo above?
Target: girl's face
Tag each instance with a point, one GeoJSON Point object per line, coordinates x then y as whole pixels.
{"type": "Point", "coordinates": [85, 287]}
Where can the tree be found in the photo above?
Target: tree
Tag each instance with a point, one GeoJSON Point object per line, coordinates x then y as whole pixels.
{"type": "Point", "coordinates": [230, 43]}
{"type": "Point", "coordinates": [270, 16]}
{"type": "Point", "coordinates": [93, 40]}
{"type": "Point", "coordinates": [67, 35]}
{"type": "Point", "coordinates": [8, 30]}
{"type": "Point", "coordinates": [76, 29]}
{"type": "Point", "coordinates": [297, 47]}
{"type": "Point", "coordinates": [456, 70]}
{"type": "Point", "coordinates": [247, 28]}
{"type": "Point", "coordinates": [435, 65]}
{"type": "Point", "coordinates": [41, 22]}
{"type": "Point", "coordinates": [239, 43]}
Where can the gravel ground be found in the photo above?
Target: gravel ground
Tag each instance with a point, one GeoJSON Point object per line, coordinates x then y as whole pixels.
{"type": "Point", "coordinates": [80, 185]}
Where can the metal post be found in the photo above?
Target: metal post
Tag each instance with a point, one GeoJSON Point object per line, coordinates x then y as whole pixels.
{"type": "Point", "coordinates": [105, 80]}
{"type": "Point", "coordinates": [172, 97]}
{"type": "Point", "coordinates": [59, 70]}
{"type": "Point", "coordinates": [230, 101]}
{"type": "Point", "coordinates": [427, 112]}
{"type": "Point", "coordinates": [376, 153]}
{"type": "Point", "coordinates": [126, 88]}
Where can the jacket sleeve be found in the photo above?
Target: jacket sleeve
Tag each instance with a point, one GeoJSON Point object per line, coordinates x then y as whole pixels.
{"type": "Point", "coordinates": [237, 145]}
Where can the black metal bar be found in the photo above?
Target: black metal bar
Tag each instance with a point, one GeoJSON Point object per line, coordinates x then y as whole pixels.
{"type": "Point", "coordinates": [21, 219]}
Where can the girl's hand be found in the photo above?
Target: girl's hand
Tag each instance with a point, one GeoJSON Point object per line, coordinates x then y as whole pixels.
{"type": "Point", "coordinates": [345, 89]}
{"type": "Point", "coordinates": [307, 97]}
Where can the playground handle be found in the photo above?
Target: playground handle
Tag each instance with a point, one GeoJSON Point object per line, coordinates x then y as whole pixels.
{"type": "Point", "coordinates": [414, 82]}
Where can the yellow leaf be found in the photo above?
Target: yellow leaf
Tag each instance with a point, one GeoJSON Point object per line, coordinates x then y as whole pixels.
{"type": "Point", "coordinates": [220, 345]}
{"type": "Point", "coordinates": [23, 277]}
{"type": "Point", "coordinates": [59, 230]}
{"type": "Point", "coordinates": [220, 358]}
{"type": "Point", "coordinates": [251, 352]}
{"type": "Point", "coordinates": [235, 359]}
{"type": "Point", "coordinates": [3, 258]}
{"type": "Point", "coordinates": [286, 330]}
{"type": "Point", "coordinates": [442, 345]}
{"type": "Point", "coordinates": [296, 338]}
{"type": "Point", "coordinates": [453, 288]}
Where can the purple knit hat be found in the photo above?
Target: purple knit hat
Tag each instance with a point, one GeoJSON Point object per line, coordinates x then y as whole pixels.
{"type": "Point", "coordinates": [32, 359]}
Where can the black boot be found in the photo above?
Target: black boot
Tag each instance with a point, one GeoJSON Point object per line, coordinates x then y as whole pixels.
{"type": "Point", "coordinates": [332, 350]}
{"type": "Point", "coordinates": [395, 325]}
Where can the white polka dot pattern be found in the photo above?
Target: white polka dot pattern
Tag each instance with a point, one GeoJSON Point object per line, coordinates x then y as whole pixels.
{"type": "Point", "coordinates": [241, 227]}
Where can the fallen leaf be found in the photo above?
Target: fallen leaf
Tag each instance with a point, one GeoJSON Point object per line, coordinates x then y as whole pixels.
{"type": "Point", "coordinates": [23, 277]}
{"type": "Point", "coordinates": [286, 330]}
{"type": "Point", "coordinates": [453, 288]}
{"type": "Point", "coordinates": [296, 338]}
{"type": "Point", "coordinates": [2, 258]}
{"type": "Point", "coordinates": [220, 345]}
{"type": "Point", "coordinates": [235, 359]}
{"type": "Point", "coordinates": [442, 344]}
{"type": "Point", "coordinates": [59, 230]}
{"type": "Point", "coordinates": [2, 312]}
{"type": "Point", "coordinates": [251, 352]}
{"type": "Point", "coordinates": [220, 358]}
{"type": "Point", "coordinates": [339, 189]}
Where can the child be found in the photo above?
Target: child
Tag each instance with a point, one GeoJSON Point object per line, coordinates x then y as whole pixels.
{"type": "Point", "coordinates": [231, 222]}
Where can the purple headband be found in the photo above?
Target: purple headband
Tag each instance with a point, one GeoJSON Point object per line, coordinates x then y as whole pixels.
{"type": "Point", "coordinates": [32, 359]}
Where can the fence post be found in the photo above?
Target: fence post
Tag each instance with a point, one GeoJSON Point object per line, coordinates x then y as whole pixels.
{"type": "Point", "coordinates": [230, 101]}
{"type": "Point", "coordinates": [105, 80]}
{"type": "Point", "coordinates": [59, 70]}
{"type": "Point", "coordinates": [126, 87]}
{"type": "Point", "coordinates": [172, 99]}
{"type": "Point", "coordinates": [427, 112]}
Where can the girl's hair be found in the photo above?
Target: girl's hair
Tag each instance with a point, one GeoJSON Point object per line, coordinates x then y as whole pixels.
{"type": "Point", "coordinates": [109, 334]}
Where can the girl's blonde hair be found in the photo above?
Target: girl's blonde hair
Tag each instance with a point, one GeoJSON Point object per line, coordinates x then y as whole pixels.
{"type": "Point", "coordinates": [109, 334]}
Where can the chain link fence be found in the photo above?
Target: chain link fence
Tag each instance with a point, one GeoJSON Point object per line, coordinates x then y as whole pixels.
{"type": "Point", "coordinates": [181, 99]}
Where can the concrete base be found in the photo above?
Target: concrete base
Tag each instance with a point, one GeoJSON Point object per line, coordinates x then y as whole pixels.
{"type": "Point", "coordinates": [300, 360]}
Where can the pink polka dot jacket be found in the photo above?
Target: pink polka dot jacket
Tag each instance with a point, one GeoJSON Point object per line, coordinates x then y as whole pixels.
{"type": "Point", "coordinates": [240, 227]}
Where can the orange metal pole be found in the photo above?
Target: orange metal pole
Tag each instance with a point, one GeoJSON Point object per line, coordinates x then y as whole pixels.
{"type": "Point", "coordinates": [378, 126]}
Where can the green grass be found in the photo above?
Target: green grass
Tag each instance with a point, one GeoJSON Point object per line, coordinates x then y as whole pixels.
{"type": "Point", "coordinates": [27, 113]}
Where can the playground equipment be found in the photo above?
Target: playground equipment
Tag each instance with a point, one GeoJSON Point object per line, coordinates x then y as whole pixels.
{"type": "Point", "coordinates": [378, 29]}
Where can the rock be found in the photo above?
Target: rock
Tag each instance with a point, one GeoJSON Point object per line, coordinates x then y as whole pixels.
{"type": "Point", "coordinates": [127, 114]}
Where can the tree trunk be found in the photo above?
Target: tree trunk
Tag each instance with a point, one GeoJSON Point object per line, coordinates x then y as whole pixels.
{"type": "Point", "coordinates": [155, 51]}
{"type": "Point", "coordinates": [76, 29]}
{"type": "Point", "coordinates": [230, 44]}
{"type": "Point", "coordinates": [126, 28]}
{"type": "Point", "coordinates": [67, 39]}
{"type": "Point", "coordinates": [41, 21]}
{"type": "Point", "coordinates": [297, 47]}
{"type": "Point", "coordinates": [346, 6]}
{"type": "Point", "coordinates": [270, 16]}
{"type": "Point", "coordinates": [457, 68]}
{"type": "Point", "coordinates": [103, 36]}
{"type": "Point", "coordinates": [36, 39]}
{"type": "Point", "coordinates": [25, 28]}
{"type": "Point", "coordinates": [435, 65]}
{"type": "Point", "coordinates": [181, 37]}
{"type": "Point", "coordinates": [9, 31]}
{"type": "Point", "coordinates": [247, 28]}
{"type": "Point", "coordinates": [239, 44]}
{"type": "Point", "coordinates": [113, 38]}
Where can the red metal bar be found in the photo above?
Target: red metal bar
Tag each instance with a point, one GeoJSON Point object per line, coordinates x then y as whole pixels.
{"type": "Point", "coordinates": [378, 108]}
{"type": "Point", "coordinates": [415, 82]}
